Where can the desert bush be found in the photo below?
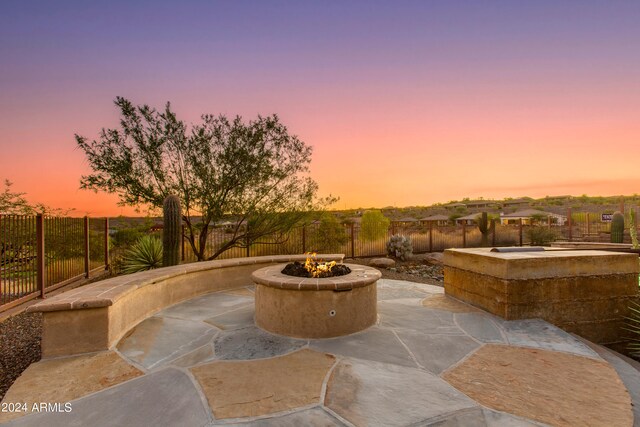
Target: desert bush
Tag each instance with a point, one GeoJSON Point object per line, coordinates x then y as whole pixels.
{"type": "Point", "coordinates": [632, 325]}
{"type": "Point", "coordinates": [541, 236]}
{"type": "Point", "coordinates": [329, 236]}
{"type": "Point", "coordinates": [399, 246]}
{"type": "Point", "coordinates": [633, 231]}
{"type": "Point", "coordinates": [374, 225]}
{"type": "Point", "coordinates": [146, 254]}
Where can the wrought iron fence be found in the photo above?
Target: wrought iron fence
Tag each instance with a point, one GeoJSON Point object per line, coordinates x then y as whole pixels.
{"type": "Point", "coordinates": [425, 237]}
{"type": "Point", "coordinates": [42, 253]}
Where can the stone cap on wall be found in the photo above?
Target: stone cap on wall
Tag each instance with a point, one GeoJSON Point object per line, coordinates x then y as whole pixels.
{"type": "Point", "coordinates": [273, 277]}
{"type": "Point", "coordinates": [106, 292]}
{"type": "Point", "coordinates": [541, 264]}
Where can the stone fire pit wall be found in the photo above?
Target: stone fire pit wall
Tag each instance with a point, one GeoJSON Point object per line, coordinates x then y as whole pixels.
{"type": "Point", "coordinates": [316, 308]}
{"type": "Point", "coordinates": [586, 292]}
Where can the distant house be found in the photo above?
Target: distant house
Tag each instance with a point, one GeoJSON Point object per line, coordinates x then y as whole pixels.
{"type": "Point", "coordinates": [515, 203]}
{"type": "Point", "coordinates": [529, 215]}
{"type": "Point", "coordinates": [406, 221]}
{"type": "Point", "coordinates": [437, 220]}
{"type": "Point", "coordinates": [479, 204]}
{"type": "Point", "coordinates": [467, 220]}
{"type": "Point", "coordinates": [156, 227]}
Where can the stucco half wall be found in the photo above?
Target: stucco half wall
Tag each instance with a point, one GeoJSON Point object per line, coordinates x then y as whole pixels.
{"type": "Point", "coordinates": [95, 317]}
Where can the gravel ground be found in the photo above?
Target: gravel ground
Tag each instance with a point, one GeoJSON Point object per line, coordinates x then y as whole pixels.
{"type": "Point", "coordinates": [19, 346]}
{"type": "Point", "coordinates": [418, 270]}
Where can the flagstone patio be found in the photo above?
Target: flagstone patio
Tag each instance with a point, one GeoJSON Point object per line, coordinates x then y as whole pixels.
{"type": "Point", "coordinates": [430, 360]}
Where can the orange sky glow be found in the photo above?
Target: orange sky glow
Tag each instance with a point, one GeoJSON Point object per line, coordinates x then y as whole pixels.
{"type": "Point", "coordinates": [553, 112]}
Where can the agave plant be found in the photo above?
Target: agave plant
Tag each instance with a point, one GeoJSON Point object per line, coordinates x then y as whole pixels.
{"type": "Point", "coordinates": [633, 326]}
{"type": "Point", "coordinates": [146, 254]}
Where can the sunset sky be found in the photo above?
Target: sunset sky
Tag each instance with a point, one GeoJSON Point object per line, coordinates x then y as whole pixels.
{"type": "Point", "coordinates": [405, 103]}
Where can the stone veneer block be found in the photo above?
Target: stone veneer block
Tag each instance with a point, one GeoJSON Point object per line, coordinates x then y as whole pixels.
{"type": "Point", "coordinates": [66, 379]}
{"type": "Point", "coordinates": [265, 386]}
{"type": "Point", "coordinates": [586, 292]}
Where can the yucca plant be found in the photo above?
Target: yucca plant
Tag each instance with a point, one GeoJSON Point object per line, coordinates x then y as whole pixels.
{"type": "Point", "coordinates": [145, 255]}
{"type": "Point", "coordinates": [632, 325]}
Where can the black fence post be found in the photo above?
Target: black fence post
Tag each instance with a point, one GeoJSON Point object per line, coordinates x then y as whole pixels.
{"type": "Point", "coordinates": [40, 254]}
{"type": "Point", "coordinates": [464, 233]}
{"type": "Point", "coordinates": [570, 224]}
{"type": "Point", "coordinates": [353, 246]}
{"type": "Point", "coordinates": [86, 246]}
{"type": "Point", "coordinates": [493, 232]}
{"type": "Point", "coordinates": [520, 230]}
{"type": "Point", "coordinates": [304, 239]}
{"type": "Point", "coordinates": [106, 243]}
{"type": "Point", "coordinates": [430, 236]}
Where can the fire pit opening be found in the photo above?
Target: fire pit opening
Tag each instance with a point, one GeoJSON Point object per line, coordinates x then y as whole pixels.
{"type": "Point", "coordinates": [315, 268]}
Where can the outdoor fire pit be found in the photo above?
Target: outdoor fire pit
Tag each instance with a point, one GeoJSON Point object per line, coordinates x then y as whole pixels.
{"type": "Point", "coordinates": [316, 307]}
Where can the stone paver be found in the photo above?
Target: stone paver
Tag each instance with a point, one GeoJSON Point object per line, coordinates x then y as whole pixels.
{"type": "Point", "coordinates": [373, 344]}
{"type": "Point", "coordinates": [479, 326]}
{"type": "Point", "coordinates": [159, 340]}
{"type": "Point", "coordinates": [235, 319]}
{"type": "Point", "coordinates": [373, 393]}
{"type": "Point", "coordinates": [539, 334]}
{"type": "Point", "coordinates": [401, 316]}
{"type": "Point", "coordinates": [199, 355]}
{"type": "Point", "coordinates": [253, 343]}
{"type": "Point", "coordinates": [629, 375]}
{"type": "Point", "coordinates": [314, 417]}
{"type": "Point", "coordinates": [210, 365]}
{"type": "Point", "coordinates": [478, 417]}
{"type": "Point", "coordinates": [164, 398]}
{"type": "Point", "coordinates": [209, 305]}
{"type": "Point", "coordinates": [437, 352]}
{"type": "Point", "coordinates": [66, 379]}
{"type": "Point", "coordinates": [548, 386]}
{"type": "Point", "coordinates": [260, 387]}
{"type": "Point", "coordinates": [444, 302]}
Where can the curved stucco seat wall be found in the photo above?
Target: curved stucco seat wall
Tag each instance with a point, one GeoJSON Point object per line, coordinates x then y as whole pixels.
{"type": "Point", "coordinates": [95, 317]}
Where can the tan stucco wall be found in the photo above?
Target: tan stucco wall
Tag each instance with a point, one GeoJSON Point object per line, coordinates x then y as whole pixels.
{"type": "Point", "coordinates": [306, 313]}
{"type": "Point", "coordinates": [96, 317]}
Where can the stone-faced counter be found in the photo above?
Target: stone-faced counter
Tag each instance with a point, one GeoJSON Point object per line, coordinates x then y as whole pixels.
{"type": "Point", "coordinates": [586, 292]}
{"type": "Point", "coordinates": [316, 308]}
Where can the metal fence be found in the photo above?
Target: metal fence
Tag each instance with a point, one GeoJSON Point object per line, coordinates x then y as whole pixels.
{"type": "Point", "coordinates": [351, 240]}
{"type": "Point", "coordinates": [41, 253]}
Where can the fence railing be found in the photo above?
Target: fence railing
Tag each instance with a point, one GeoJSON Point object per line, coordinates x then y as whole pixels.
{"type": "Point", "coordinates": [41, 253]}
{"type": "Point", "coordinates": [425, 237]}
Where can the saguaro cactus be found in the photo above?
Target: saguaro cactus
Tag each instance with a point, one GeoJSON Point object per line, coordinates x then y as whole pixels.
{"type": "Point", "coordinates": [483, 226]}
{"type": "Point", "coordinates": [172, 230]}
{"type": "Point", "coordinates": [617, 228]}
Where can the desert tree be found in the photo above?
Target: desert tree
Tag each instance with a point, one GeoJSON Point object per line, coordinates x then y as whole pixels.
{"type": "Point", "coordinates": [254, 172]}
{"type": "Point", "coordinates": [374, 225]}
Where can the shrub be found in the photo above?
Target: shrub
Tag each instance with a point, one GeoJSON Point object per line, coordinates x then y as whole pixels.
{"type": "Point", "coordinates": [632, 325]}
{"type": "Point", "coordinates": [330, 235]}
{"type": "Point", "coordinates": [374, 225]}
{"type": "Point", "coordinates": [145, 255]}
{"type": "Point", "coordinates": [541, 236]}
{"type": "Point", "coordinates": [633, 232]}
{"type": "Point", "coordinates": [399, 246]}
